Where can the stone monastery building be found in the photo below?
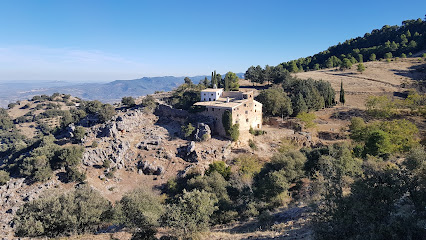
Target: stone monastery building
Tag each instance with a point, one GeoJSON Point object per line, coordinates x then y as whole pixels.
{"type": "Point", "coordinates": [246, 111]}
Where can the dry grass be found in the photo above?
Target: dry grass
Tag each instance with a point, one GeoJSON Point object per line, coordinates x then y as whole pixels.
{"type": "Point", "coordinates": [379, 78]}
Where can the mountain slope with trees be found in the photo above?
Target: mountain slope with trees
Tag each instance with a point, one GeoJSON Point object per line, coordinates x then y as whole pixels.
{"type": "Point", "coordinates": [387, 42]}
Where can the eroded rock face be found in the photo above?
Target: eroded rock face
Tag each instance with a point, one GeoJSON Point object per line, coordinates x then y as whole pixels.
{"type": "Point", "coordinates": [203, 132]}
{"type": "Point", "coordinates": [116, 152]}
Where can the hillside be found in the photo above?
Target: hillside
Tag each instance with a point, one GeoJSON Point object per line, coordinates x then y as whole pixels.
{"type": "Point", "coordinates": [379, 78]}
{"type": "Point", "coordinates": [326, 164]}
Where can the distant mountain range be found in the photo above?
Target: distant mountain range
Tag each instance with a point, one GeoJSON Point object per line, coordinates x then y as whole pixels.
{"type": "Point", "coordinates": [106, 92]}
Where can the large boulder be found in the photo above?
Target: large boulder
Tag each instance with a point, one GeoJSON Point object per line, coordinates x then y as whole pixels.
{"type": "Point", "coordinates": [203, 132]}
{"type": "Point", "coordinates": [188, 152]}
{"type": "Point", "coordinates": [150, 168]}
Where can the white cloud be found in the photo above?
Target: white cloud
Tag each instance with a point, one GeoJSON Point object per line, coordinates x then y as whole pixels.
{"type": "Point", "coordinates": [43, 63]}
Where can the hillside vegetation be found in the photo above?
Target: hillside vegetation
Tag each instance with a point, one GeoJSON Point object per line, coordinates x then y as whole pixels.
{"type": "Point", "coordinates": [322, 167]}
{"type": "Point", "coordinates": [389, 41]}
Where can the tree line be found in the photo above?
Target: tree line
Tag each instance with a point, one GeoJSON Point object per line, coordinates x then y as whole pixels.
{"type": "Point", "coordinates": [387, 42]}
{"type": "Point", "coordinates": [294, 96]}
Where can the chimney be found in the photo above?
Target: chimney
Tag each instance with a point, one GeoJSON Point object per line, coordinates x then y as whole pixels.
{"type": "Point", "coordinates": [227, 99]}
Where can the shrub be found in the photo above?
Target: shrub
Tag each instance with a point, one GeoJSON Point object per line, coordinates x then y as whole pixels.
{"type": "Point", "coordinates": [70, 156]}
{"type": "Point", "coordinates": [235, 132]}
{"type": "Point", "coordinates": [383, 138]}
{"type": "Point", "coordinates": [380, 106]}
{"type": "Point", "coordinates": [191, 213]}
{"type": "Point", "coordinates": [5, 120]}
{"type": "Point", "coordinates": [106, 163]}
{"type": "Point", "coordinates": [4, 177]}
{"type": "Point", "coordinates": [149, 103]}
{"type": "Point", "coordinates": [11, 105]}
{"type": "Point", "coordinates": [128, 101]}
{"type": "Point", "coordinates": [94, 144]}
{"type": "Point", "coordinates": [220, 167]}
{"type": "Point", "coordinates": [139, 210]}
{"type": "Point", "coordinates": [307, 119]}
{"type": "Point", "coordinates": [74, 175]}
{"type": "Point", "coordinates": [187, 130]}
{"type": "Point", "coordinates": [276, 176]}
{"type": "Point", "coordinates": [79, 133]}
{"type": "Point", "coordinates": [248, 166]}
{"type": "Point", "coordinates": [78, 211]}
{"type": "Point", "coordinates": [252, 144]}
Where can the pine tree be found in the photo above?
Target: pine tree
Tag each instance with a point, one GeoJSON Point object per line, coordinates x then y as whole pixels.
{"type": "Point", "coordinates": [342, 93]}
{"type": "Point", "coordinates": [299, 105]}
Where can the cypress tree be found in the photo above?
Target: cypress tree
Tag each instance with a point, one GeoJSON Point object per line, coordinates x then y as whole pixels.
{"type": "Point", "coordinates": [342, 93]}
{"type": "Point", "coordinates": [227, 122]}
{"type": "Point", "coordinates": [212, 80]}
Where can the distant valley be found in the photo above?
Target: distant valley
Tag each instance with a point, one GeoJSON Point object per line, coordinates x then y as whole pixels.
{"type": "Point", "coordinates": [106, 92]}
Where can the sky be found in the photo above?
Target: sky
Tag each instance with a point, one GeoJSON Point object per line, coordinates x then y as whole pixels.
{"type": "Point", "coordinates": [104, 40]}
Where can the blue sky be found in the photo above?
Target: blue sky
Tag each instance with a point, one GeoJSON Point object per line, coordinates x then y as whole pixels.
{"type": "Point", "coordinates": [89, 40]}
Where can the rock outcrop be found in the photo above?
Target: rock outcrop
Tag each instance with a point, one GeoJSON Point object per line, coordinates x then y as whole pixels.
{"type": "Point", "coordinates": [203, 132]}
{"type": "Point", "coordinates": [188, 153]}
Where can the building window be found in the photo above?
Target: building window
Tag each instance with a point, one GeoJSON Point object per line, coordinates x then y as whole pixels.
{"type": "Point", "coordinates": [212, 109]}
{"type": "Point", "coordinates": [204, 94]}
{"type": "Point", "coordinates": [210, 99]}
{"type": "Point", "coordinates": [246, 112]}
{"type": "Point", "coordinates": [258, 125]}
{"type": "Point", "coordinates": [247, 120]}
{"type": "Point", "coordinates": [245, 105]}
{"type": "Point", "coordinates": [254, 110]}
{"type": "Point", "coordinates": [211, 94]}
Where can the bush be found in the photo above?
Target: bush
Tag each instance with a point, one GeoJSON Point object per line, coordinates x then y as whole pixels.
{"type": "Point", "coordinates": [191, 213]}
{"type": "Point", "coordinates": [386, 137]}
{"type": "Point", "coordinates": [276, 176]}
{"type": "Point", "coordinates": [4, 177]}
{"type": "Point", "coordinates": [149, 103]}
{"type": "Point", "coordinates": [221, 168]}
{"type": "Point", "coordinates": [74, 175]}
{"type": "Point", "coordinates": [139, 210]}
{"type": "Point", "coordinates": [187, 130]}
{"type": "Point", "coordinates": [70, 156]}
{"type": "Point", "coordinates": [235, 132]}
{"type": "Point", "coordinates": [248, 166]}
{"type": "Point", "coordinates": [106, 164]}
{"type": "Point", "coordinates": [252, 144]}
{"type": "Point", "coordinates": [5, 120]}
{"type": "Point", "coordinates": [11, 105]}
{"type": "Point", "coordinates": [128, 101]}
{"type": "Point", "coordinates": [78, 211]}
{"type": "Point", "coordinates": [79, 133]}
{"type": "Point", "coordinates": [257, 132]}
{"type": "Point", "coordinates": [307, 119]}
